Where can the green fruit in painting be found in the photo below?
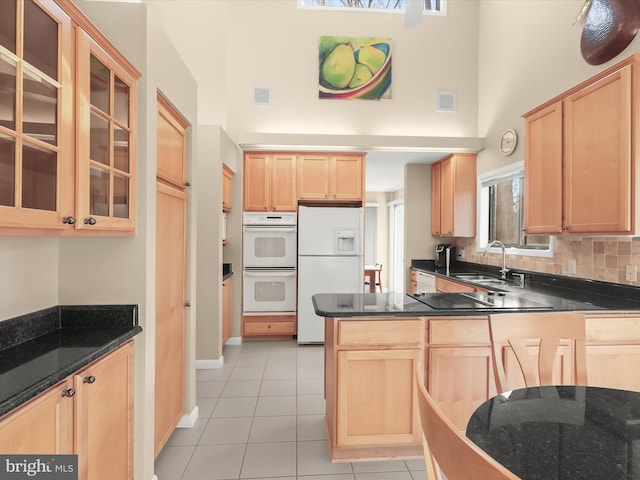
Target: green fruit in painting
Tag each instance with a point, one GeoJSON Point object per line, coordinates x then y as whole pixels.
{"type": "Point", "coordinates": [339, 66]}
{"type": "Point", "coordinates": [371, 57]}
{"type": "Point", "coordinates": [361, 76]}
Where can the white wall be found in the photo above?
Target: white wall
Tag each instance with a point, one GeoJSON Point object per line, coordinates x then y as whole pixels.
{"type": "Point", "coordinates": [28, 275]}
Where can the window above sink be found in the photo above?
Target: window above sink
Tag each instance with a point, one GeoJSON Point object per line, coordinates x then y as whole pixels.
{"type": "Point", "coordinates": [500, 214]}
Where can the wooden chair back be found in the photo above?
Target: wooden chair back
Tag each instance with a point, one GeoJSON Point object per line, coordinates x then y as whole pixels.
{"type": "Point", "coordinates": [545, 330]}
{"type": "Point", "coordinates": [446, 449]}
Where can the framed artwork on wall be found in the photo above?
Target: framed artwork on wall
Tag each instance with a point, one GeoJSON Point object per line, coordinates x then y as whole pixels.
{"type": "Point", "coordinates": [354, 68]}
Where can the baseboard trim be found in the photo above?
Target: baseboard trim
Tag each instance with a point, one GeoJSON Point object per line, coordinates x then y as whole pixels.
{"type": "Point", "coordinates": [188, 421]}
{"type": "Point", "coordinates": [233, 341]}
{"type": "Point", "coordinates": [209, 364]}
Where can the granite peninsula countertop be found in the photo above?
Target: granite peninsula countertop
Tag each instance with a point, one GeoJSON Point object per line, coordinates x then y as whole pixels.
{"type": "Point", "coordinates": [40, 349]}
{"type": "Point", "coordinates": [551, 292]}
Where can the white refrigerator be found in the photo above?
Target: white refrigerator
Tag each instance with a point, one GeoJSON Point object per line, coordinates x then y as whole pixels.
{"type": "Point", "coordinates": [330, 260]}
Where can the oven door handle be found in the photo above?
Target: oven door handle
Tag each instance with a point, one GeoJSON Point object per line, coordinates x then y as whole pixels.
{"type": "Point", "coordinates": [272, 228]}
{"type": "Point", "coordinates": [271, 273]}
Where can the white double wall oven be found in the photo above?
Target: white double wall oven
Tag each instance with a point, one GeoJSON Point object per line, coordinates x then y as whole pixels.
{"type": "Point", "coordinates": [269, 262]}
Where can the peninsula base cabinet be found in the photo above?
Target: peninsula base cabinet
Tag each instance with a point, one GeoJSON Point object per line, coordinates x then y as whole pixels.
{"type": "Point", "coordinates": [370, 389]}
{"type": "Point", "coordinates": [371, 405]}
{"type": "Point", "coordinates": [92, 409]}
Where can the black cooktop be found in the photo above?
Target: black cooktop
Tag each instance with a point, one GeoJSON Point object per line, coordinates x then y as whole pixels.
{"type": "Point", "coordinates": [478, 301]}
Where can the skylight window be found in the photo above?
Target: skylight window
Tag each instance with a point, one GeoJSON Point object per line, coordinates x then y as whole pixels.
{"type": "Point", "coordinates": [429, 7]}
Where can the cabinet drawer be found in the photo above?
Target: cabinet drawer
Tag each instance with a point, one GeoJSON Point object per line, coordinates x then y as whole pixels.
{"type": "Point", "coordinates": [459, 332]}
{"type": "Point", "coordinates": [383, 332]}
{"type": "Point", "coordinates": [606, 328]}
{"type": "Point", "coordinates": [264, 326]}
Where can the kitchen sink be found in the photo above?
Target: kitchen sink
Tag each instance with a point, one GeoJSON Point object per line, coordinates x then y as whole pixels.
{"type": "Point", "coordinates": [473, 277]}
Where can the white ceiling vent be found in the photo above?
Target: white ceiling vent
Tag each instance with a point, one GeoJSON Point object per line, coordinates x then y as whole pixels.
{"type": "Point", "coordinates": [262, 96]}
{"type": "Point", "coordinates": [446, 101]}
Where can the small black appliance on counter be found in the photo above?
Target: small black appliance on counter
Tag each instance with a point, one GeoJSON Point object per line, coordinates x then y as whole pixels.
{"type": "Point", "coordinates": [445, 254]}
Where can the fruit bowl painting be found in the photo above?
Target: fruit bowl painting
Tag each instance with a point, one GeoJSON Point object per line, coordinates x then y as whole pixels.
{"type": "Point", "coordinates": [355, 68]}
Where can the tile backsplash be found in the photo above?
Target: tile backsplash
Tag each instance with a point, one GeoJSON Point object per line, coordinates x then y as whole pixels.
{"type": "Point", "coordinates": [597, 258]}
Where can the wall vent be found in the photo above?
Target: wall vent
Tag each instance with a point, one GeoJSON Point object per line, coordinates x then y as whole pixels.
{"type": "Point", "coordinates": [262, 96]}
{"type": "Point", "coordinates": [446, 101]}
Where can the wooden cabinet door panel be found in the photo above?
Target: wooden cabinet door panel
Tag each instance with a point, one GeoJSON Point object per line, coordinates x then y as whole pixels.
{"type": "Point", "coordinates": [436, 199]}
{"type": "Point", "coordinates": [227, 183]}
{"type": "Point", "coordinates": [543, 171]}
{"type": "Point", "coordinates": [226, 308]}
{"type": "Point", "coordinates": [284, 197]}
{"type": "Point", "coordinates": [172, 145]}
{"type": "Point", "coordinates": [314, 174]}
{"type": "Point", "coordinates": [613, 366]}
{"type": "Point", "coordinates": [377, 402]}
{"type": "Point", "coordinates": [104, 410]}
{"type": "Point", "coordinates": [447, 197]}
{"type": "Point", "coordinates": [44, 425]}
{"type": "Point", "coordinates": [597, 176]}
{"type": "Point", "coordinates": [443, 285]}
{"type": "Point", "coordinates": [347, 177]}
{"type": "Point", "coordinates": [460, 379]}
{"type": "Point", "coordinates": [170, 315]}
{"type": "Point", "coordinates": [257, 182]}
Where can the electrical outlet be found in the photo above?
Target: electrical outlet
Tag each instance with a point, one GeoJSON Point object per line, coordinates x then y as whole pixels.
{"type": "Point", "coordinates": [631, 273]}
{"type": "Point", "coordinates": [571, 267]}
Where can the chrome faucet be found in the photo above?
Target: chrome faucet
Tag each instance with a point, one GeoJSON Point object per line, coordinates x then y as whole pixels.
{"type": "Point", "coordinates": [504, 270]}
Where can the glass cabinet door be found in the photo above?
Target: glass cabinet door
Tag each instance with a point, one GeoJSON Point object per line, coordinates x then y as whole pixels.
{"type": "Point", "coordinates": [105, 163]}
{"type": "Point", "coordinates": [35, 187]}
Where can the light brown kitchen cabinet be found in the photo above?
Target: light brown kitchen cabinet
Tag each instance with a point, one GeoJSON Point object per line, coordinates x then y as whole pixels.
{"type": "Point", "coordinates": [227, 183]}
{"type": "Point", "coordinates": [453, 196]}
{"type": "Point", "coordinates": [444, 285]}
{"type": "Point", "coordinates": [104, 417]}
{"type": "Point", "coordinates": [43, 425]}
{"type": "Point", "coordinates": [585, 138]}
{"type": "Point", "coordinates": [369, 386]}
{"type": "Point", "coordinates": [37, 140]}
{"type": "Point", "coordinates": [269, 326]}
{"type": "Point", "coordinates": [68, 151]}
{"type": "Point", "coordinates": [227, 291]}
{"type": "Point", "coordinates": [543, 171]}
{"type": "Point", "coordinates": [331, 177]}
{"type": "Point", "coordinates": [270, 182]}
{"type": "Point", "coordinates": [91, 409]}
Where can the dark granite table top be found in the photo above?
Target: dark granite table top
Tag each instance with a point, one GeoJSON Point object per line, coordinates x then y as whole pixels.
{"type": "Point", "coordinates": [562, 432]}
{"type": "Point", "coordinates": [40, 349]}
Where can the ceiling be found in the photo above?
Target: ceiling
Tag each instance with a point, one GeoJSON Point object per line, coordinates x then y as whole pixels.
{"type": "Point", "coordinates": [385, 169]}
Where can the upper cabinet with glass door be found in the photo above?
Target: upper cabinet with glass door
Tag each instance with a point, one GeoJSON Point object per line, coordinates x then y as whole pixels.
{"type": "Point", "coordinates": [106, 139]}
{"type": "Point", "coordinates": [36, 115]}
{"type": "Point", "coordinates": [67, 161]}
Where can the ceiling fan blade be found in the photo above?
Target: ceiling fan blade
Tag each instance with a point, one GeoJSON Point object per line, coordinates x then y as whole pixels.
{"type": "Point", "coordinates": [413, 13]}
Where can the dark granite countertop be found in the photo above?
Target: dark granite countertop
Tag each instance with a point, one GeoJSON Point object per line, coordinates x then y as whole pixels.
{"type": "Point", "coordinates": [40, 349]}
{"type": "Point", "coordinates": [605, 295]}
{"type": "Point", "coordinates": [553, 432]}
{"type": "Point", "coordinates": [551, 293]}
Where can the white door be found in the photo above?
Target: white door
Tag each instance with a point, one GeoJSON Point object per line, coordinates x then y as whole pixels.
{"type": "Point", "coordinates": [330, 231]}
{"type": "Point", "coordinates": [323, 275]}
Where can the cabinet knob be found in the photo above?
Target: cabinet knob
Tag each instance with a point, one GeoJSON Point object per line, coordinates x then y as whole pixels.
{"type": "Point", "coordinates": [565, 228]}
{"type": "Point", "coordinates": [187, 184]}
{"type": "Point", "coordinates": [90, 221]}
{"type": "Point", "coordinates": [69, 220]}
{"type": "Point", "coordinates": [187, 305]}
{"type": "Point", "coordinates": [89, 379]}
{"type": "Point", "coordinates": [68, 392]}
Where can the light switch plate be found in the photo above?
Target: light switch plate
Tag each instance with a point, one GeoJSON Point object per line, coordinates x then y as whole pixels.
{"type": "Point", "coordinates": [571, 267]}
{"type": "Point", "coordinates": [631, 273]}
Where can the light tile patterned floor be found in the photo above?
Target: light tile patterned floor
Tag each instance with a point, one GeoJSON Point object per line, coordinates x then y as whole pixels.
{"type": "Point", "coordinates": [262, 417]}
